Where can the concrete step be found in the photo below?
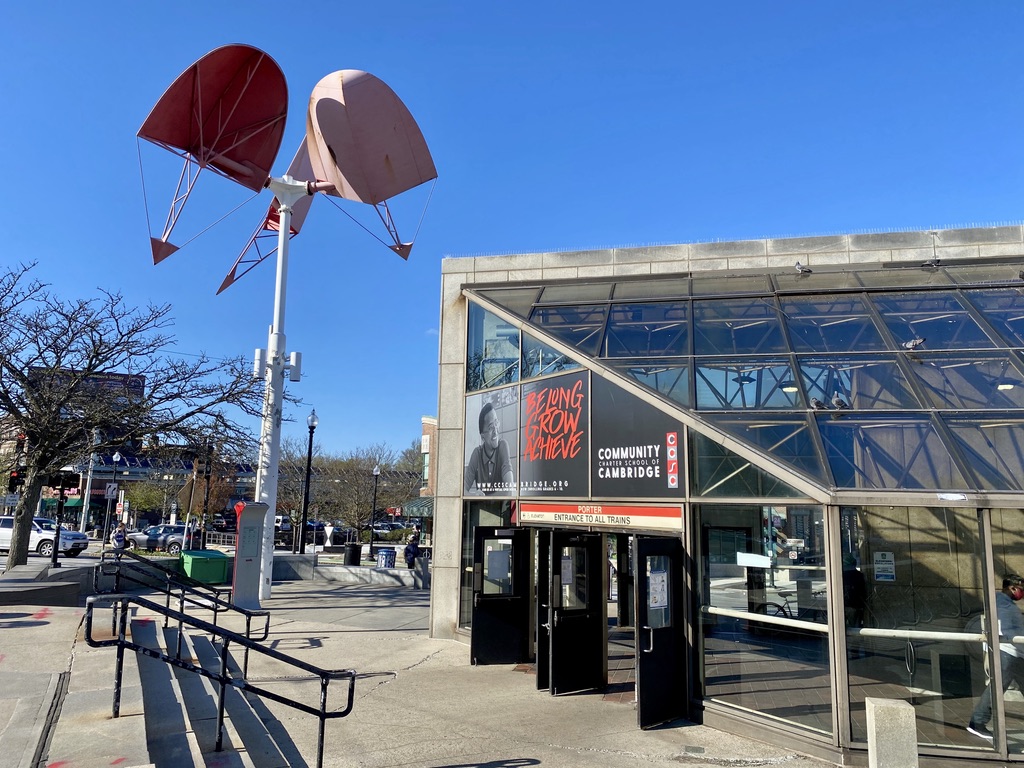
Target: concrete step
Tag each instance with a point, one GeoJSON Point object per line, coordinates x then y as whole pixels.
{"type": "Point", "coordinates": [247, 740]}
{"type": "Point", "coordinates": [85, 733]}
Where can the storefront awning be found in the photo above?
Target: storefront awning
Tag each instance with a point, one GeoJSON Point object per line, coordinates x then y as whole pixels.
{"type": "Point", "coordinates": [421, 507]}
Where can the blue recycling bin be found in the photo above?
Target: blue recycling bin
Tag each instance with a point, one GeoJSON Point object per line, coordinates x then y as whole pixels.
{"type": "Point", "coordinates": [386, 558]}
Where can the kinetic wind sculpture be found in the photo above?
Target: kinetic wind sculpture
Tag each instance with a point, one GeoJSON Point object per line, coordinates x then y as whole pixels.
{"type": "Point", "coordinates": [226, 114]}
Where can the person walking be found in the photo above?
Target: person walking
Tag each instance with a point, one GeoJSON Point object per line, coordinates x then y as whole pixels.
{"type": "Point", "coordinates": [118, 540]}
{"type": "Point", "coordinates": [1011, 624]}
{"type": "Point", "coordinates": [412, 551]}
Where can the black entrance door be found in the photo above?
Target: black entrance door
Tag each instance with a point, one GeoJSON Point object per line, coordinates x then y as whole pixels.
{"type": "Point", "coordinates": [501, 596]}
{"type": "Point", "coordinates": [577, 626]}
{"type": "Point", "coordinates": [661, 684]}
{"type": "Point", "coordinates": [543, 620]}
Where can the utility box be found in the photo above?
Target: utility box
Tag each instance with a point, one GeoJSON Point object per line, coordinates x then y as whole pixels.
{"type": "Point", "coordinates": [206, 565]}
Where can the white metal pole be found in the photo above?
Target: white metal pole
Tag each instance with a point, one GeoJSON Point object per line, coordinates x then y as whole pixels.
{"type": "Point", "coordinates": [287, 191]}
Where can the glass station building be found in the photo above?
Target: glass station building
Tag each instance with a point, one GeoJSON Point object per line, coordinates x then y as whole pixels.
{"type": "Point", "coordinates": [777, 477]}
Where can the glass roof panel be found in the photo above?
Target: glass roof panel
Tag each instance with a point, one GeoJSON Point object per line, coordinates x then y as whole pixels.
{"type": "Point", "coordinates": [888, 453]}
{"type": "Point", "coordinates": [864, 383]}
{"type": "Point", "coordinates": [994, 450]}
{"type": "Point", "coordinates": [666, 288]}
{"type": "Point", "coordinates": [516, 300]}
{"type": "Point", "coordinates": [831, 323]}
{"type": "Point", "coordinates": [539, 359]}
{"type": "Point", "coordinates": [737, 326]}
{"type": "Point", "coordinates": [784, 437]}
{"type": "Point", "coordinates": [903, 277]}
{"type": "Point", "coordinates": [980, 381]}
{"type": "Point", "coordinates": [638, 330]}
{"type": "Point", "coordinates": [1004, 309]}
{"type": "Point", "coordinates": [937, 318]}
{"type": "Point", "coordinates": [668, 376]}
{"type": "Point", "coordinates": [816, 281]}
{"type": "Point", "coordinates": [579, 326]}
{"type": "Point", "coordinates": [978, 274]}
{"type": "Point", "coordinates": [732, 385]}
{"type": "Point", "coordinates": [718, 472]}
{"type": "Point", "coordinates": [730, 285]}
{"type": "Point", "coordinates": [561, 294]}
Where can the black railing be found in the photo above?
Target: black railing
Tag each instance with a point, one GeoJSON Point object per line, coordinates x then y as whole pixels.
{"type": "Point", "coordinates": [130, 568]}
{"type": "Point", "coordinates": [223, 677]}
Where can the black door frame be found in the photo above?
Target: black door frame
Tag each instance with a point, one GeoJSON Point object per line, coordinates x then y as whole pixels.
{"type": "Point", "coordinates": [662, 662]}
{"type": "Point", "coordinates": [501, 621]}
{"type": "Point", "coordinates": [578, 634]}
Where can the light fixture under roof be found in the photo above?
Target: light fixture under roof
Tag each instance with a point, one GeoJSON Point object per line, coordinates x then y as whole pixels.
{"type": "Point", "coordinates": [743, 379]}
{"type": "Point", "coordinates": [1003, 386]}
{"type": "Point", "coordinates": [789, 386]}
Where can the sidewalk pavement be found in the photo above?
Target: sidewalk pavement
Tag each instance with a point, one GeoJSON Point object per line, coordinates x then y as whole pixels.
{"type": "Point", "coordinates": [418, 701]}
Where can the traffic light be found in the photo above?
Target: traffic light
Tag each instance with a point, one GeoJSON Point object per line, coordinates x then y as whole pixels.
{"type": "Point", "coordinates": [64, 480]}
{"type": "Point", "coordinates": [16, 480]}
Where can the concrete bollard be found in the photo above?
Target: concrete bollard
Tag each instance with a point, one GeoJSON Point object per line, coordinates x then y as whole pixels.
{"type": "Point", "coordinates": [421, 573]}
{"type": "Point", "coordinates": [892, 733]}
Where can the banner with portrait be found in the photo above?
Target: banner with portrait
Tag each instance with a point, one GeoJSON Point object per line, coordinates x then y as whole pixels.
{"type": "Point", "coordinates": [492, 443]}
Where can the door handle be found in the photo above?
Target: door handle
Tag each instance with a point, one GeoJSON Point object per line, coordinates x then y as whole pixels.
{"type": "Point", "coordinates": [650, 646]}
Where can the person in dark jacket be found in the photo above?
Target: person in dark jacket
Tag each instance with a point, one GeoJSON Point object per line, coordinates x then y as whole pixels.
{"type": "Point", "coordinates": [412, 551]}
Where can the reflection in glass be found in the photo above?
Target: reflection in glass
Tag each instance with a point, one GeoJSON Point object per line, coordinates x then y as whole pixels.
{"type": "Point", "coordinates": [492, 350]}
{"type": "Point", "coordinates": [572, 563]}
{"type": "Point", "coordinates": [759, 384]}
{"type": "Point", "coordinates": [895, 452]}
{"type": "Point", "coordinates": [579, 326]}
{"type": "Point", "coordinates": [950, 380]}
{"type": "Point", "coordinates": [736, 326]}
{"type": "Point", "coordinates": [540, 360]}
{"type": "Point", "coordinates": [474, 514]}
{"type": "Point", "coordinates": [655, 329]}
{"type": "Point", "coordinates": [864, 383]}
{"type": "Point", "coordinates": [787, 438]}
{"type": "Point", "coordinates": [993, 450]}
{"type": "Point", "coordinates": [832, 323]}
{"type": "Point", "coordinates": [937, 318]}
{"type": "Point", "coordinates": [922, 577]}
{"type": "Point", "coordinates": [1004, 309]}
{"type": "Point", "coordinates": [720, 472]}
{"type": "Point", "coordinates": [669, 376]}
{"type": "Point", "coordinates": [764, 611]}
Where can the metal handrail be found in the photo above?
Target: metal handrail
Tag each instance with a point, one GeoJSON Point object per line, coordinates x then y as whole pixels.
{"type": "Point", "coordinates": [189, 591]}
{"type": "Point", "coordinates": [223, 678]}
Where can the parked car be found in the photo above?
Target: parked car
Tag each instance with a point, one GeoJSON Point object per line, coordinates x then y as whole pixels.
{"type": "Point", "coordinates": [169, 538]}
{"type": "Point", "coordinates": [41, 537]}
{"type": "Point", "coordinates": [225, 522]}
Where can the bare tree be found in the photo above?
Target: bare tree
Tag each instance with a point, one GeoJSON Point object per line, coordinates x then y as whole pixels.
{"type": "Point", "coordinates": [67, 369]}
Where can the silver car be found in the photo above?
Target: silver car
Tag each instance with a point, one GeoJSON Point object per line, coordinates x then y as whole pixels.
{"type": "Point", "coordinates": [41, 537]}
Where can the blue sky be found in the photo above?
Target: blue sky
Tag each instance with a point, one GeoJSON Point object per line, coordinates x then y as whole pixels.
{"type": "Point", "coordinates": [552, 125]}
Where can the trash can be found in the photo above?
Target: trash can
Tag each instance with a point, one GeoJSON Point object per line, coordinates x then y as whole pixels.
{"type": "Point", "coordinates": [206, 565]}
{"type": "Point", "coordinates": [353, 553]}
{"type": "Point", "coordinates": [386, 558]}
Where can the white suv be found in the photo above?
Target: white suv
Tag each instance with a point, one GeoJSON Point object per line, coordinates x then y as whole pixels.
{"type": "Point", "coordinates": [41, 537]}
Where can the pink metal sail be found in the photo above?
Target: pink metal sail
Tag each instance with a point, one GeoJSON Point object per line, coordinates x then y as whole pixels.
{"type": "Point", "coordinates": [363, 140]}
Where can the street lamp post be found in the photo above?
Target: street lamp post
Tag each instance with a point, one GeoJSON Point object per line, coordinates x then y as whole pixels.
{"type": "Point", "coordinates": [110, 493]}
{"type": "Point", "coordinates": [373, 508]}
{"type": "Point", "coordinates": [311, 422]}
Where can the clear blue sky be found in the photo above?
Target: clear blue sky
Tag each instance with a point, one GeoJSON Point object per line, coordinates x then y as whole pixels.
{"type": "Point", "coordinates": [554, 125]}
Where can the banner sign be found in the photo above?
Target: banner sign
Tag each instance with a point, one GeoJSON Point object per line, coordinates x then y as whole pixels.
{"type": "Point", "coordinates": [492, 443]}
{"type": "Point", "coordinates": [635, 446]}
{"type": "Point", "coordinates": [555, 458]}
{"type": "Point", "coordinates": [638, 516]}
